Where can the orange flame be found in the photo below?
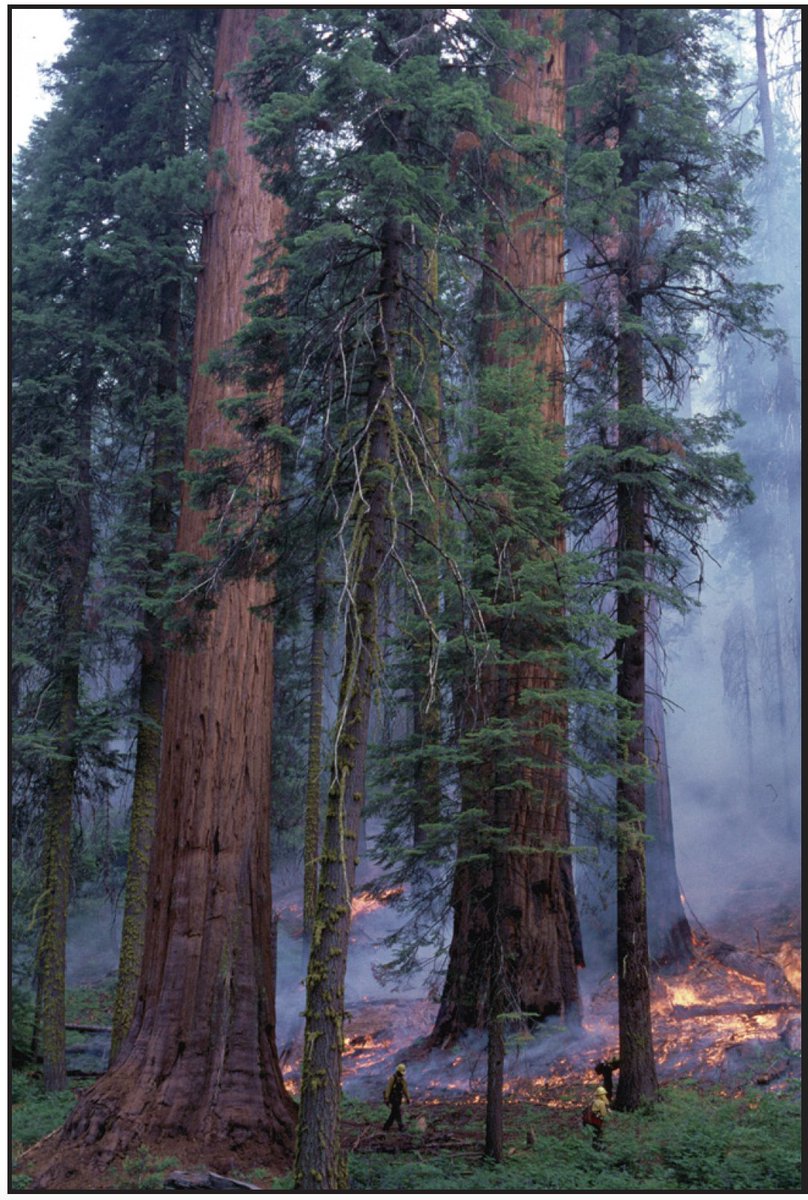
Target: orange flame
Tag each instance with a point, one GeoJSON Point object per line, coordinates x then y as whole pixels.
{"type": "Point", "coordinates": [366, 902]}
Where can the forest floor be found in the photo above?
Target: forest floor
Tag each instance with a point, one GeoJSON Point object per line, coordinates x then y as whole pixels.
{"type": "Point", "coordinates": [728, 1040]}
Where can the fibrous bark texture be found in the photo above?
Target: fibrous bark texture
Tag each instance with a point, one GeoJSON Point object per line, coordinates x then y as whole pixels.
{"type": "Point", "coordinates": [199, 1064]}
{"type": "Point", "coordinates": [539, 925]}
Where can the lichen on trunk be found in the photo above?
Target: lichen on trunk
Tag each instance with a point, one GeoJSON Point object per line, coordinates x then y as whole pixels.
{"type": "Point", "coordinates": [320, 1165]}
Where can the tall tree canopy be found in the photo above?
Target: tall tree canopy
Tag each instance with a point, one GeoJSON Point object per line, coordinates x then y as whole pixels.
{"type": "Point", "coordinates": [200, 1061]}
{"type": "Point", "coordinates": [658, 202]}
{"type": "Point", "coordinates": [435, 286]}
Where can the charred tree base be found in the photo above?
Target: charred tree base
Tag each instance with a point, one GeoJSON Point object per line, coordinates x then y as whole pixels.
{"type": "Point", "coordinates": [672, 951]}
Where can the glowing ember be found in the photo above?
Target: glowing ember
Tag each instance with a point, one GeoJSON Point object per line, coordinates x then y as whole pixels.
{"type": "Point", "coordinates": [678, 993]}
{"type": "Point", "coordinates": [733, 1010]}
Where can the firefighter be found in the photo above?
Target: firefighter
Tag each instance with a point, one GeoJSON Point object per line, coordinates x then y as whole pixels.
{"type": "Point", "coordinates": [394, 1093]}
{"type": "Point", "coordinates": [600, 1114]}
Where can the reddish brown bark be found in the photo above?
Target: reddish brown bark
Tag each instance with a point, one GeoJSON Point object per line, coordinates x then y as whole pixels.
{"type": "Point", "coordinates": [538, 926]}
{"type": "Point", "coordinates": [199, 1065]}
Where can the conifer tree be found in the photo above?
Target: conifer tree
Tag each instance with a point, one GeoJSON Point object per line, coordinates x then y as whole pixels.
{"type": "Point", "coordinates": [89, 257]}
{"type": "Point", "coordinates": [172, 229]}
{"type": "Point", "coordinates": [51, 444]}
{"type": "Point", "coordinates": [516, 715]}
{"type": "Point", "coordinates": [762, 638]}
{"type": "Point", "coordinates": [361, 192]}
{"type": "Point", "coordinates": [657, 190]}
{"type": "Point", "coordinates": [199, 1061]}
{"type": "Point", "coordinates": [314, 765]}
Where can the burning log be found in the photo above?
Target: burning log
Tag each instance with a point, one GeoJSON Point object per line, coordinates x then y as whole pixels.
{"type": "Point", "coordinates": [728, 1009]}
{"type": "Point", "coordinates": [754, 966]}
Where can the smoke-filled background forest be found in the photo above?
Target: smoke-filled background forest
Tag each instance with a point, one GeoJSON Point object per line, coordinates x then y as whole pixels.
{"type": "Point", "coordinates": [411, 633]}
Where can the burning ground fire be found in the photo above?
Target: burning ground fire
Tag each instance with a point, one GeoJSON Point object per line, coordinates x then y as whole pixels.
{"type": "Point", "coordinates": [366, 902]}
{"type": "Point", "coordinates": [730, 1011]}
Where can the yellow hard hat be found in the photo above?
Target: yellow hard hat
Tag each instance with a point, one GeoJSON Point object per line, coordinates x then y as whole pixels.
{"type": "Point", "coordinates": [600, 1091]}
{"type": "Point", "coordinates": [401, 1068]}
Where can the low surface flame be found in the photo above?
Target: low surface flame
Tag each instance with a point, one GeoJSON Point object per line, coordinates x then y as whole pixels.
{"type": "Point", "coordinates": [731, 1012]}
{"type": "Point", "coordinates": [367, 902]}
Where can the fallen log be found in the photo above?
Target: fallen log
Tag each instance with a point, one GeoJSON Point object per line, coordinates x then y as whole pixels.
{"type": "Point", "coordinates": [206, 1181]}
{"type": "Point", "coordinates": [754, 966]}
{"type": "Point", "coordinates": [88, 1028]}
{"type": "Point", "coordinates": [729, 1009]}
{"type": "Point", "coordinates": [775, 1073]}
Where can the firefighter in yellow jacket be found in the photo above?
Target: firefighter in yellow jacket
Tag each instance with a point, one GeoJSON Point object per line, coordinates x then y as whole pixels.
{"type": "Point", "coordinates": [394, 1093]}
{"type": "Point", "coordinates": [600, 1113]}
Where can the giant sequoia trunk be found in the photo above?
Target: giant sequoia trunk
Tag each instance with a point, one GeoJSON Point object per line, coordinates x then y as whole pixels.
{"type": "Point", "coordinates": [539, 933]}
{"type": "Point", "coordinates": [199, 1064]}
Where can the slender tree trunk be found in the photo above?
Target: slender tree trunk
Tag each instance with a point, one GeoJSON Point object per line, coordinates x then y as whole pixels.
{"type": "Point", "coordinates": [72, 571]}
{"type": "Point", "coordinates": [311, 841]}
{"type": "Point", "coordinates": [764, 98]}
{"type": "Point", "coordinates": [497, 1007]}
{"type": "Point", "coordinates": [787, 472]}
{"type": "Point", "coordinates": [426, 700]}
{"type": "Point", "coordinates": [320, 1164]}
{"type": "Point", "coordinates": [542, 941]}
{"type": "Point", "coordinates": [199, 1065]}
{"type": "Point", "coordinates": [670, 938]}
{"type": "Point", "coordinates": [165, 488]}
{"type": "Point", "coordinates": [637, 1065]}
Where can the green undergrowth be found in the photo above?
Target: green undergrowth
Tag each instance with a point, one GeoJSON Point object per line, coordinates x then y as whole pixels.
{"type": "Point", "coordinates": [695, 1140]}
{"type": "Point", "coordinates": [34, 1114]}
{"type": "Point", "coordinates": [90, 1004]}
